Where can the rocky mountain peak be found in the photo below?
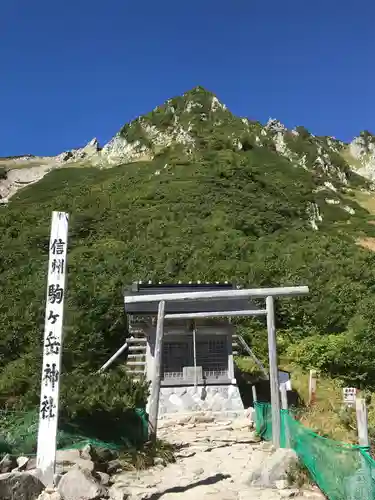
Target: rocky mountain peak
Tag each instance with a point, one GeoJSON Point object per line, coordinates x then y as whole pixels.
{"type": "Point", "coordinates": [198, 121]}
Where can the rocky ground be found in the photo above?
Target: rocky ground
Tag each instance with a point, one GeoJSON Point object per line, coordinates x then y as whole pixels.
{"type": "Point", "coordinates": [215, 460]}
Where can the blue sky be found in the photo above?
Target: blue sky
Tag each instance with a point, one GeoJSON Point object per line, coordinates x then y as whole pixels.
{"type": "Point", "coordinates": [74, 70]}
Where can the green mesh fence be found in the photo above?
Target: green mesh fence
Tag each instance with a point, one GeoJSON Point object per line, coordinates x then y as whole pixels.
{"type": "Point", "coordinates": [19, 433]}
{"type": "Point", "coordinates": [342, 471]}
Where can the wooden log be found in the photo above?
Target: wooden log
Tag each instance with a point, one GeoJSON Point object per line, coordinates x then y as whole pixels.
{"type": "Point", "coordinates": [156, 376]}
{"type": "Point", "coordinates": [274, 374]}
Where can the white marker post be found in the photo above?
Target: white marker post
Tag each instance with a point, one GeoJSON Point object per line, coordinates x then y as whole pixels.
{"type": "Point", "coordinates": [312, 387]}
{"type": "Point", "coordinates": [49, 396]}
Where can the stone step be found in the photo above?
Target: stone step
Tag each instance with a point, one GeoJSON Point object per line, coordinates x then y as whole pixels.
{"type": "Point", "coordinates": [136, 372]}
{"type": "Point", "coordinates": [141, 347]}
{"type": "Point", "coordinates": [136, 363]}
{"type": "Point", "coordinates": [136, 340]}
{"type": "Point", "coordinates": [137, 355]}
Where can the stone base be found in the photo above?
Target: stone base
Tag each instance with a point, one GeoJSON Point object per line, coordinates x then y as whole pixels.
{"type": "Point", "coordinates": [219, 399]}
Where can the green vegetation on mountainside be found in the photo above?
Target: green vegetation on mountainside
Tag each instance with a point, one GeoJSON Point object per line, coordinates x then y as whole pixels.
{"type": "Point", "coordinates": [217, 212]}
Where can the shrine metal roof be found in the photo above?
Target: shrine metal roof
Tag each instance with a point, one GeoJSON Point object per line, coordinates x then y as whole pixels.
{"type": "Point", "coordinates": [191, 306]}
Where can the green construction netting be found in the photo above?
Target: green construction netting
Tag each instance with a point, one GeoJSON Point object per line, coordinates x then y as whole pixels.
{"type": "Point", "coordinates": [342, 471]}
{"type": "Point", "coordinates": [19, 432]}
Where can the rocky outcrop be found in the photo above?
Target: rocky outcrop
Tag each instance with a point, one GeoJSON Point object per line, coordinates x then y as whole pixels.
{"type": "Point", "coordinates": [362, 149]}
{"type": "Point", "coordinates": [120, 150]}
{"type": "Point", "coordinates": [88, 152]}
{"type": "Point", "coordinates": [24, 171]}
{"type": "Point", "coordinates": [20, 177]}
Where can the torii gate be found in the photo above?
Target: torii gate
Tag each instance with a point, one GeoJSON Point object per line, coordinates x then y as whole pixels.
{"type": "Point", "coordinates": [267, 293]}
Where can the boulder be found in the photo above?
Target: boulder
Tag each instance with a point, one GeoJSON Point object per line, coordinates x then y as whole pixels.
{"type": "Point", "coordinates": [7, 464]}
{"type": "Point", "coordinates": [20, 486]}
{"type": "Point", "coordinates": [78, 484]}
{"type": "Point", "coordinates": [273, 469]}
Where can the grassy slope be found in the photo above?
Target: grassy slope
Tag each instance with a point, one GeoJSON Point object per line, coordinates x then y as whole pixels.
{"type": "Point", "coordinates": [231, 216]}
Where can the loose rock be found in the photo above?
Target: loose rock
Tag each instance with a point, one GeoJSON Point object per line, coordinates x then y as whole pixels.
{"type": "Point", "coordinates": [22, 463]}
{"type": "Point", "coordinates": [47, 495]}
{"type": "Point", "coordinates": [113, 467]}
{"type": "Point", "coordinates": [78, 484]}
{"type": "Point", "coordinates": [281, 484]}
{"type": "Point", "coordinates": [118, 493]}
{"type": "Point", "coordinates": [103, 478]}
{"type": "Point", "coordinates": [7, 464]}
{"type": "Point", "coordinates": [20, 486]}
{"type": "Point", "coordinates": [289, 493]}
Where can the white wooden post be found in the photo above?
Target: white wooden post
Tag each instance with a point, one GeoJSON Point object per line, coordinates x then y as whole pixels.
{"type": "Point", "coordinates": [254, 391]}
{"type": "Point", "coordinates": [284, 396]}
{"type": "Point", "coordinates": [52, 348]}
{"type": "Point", "coordinates": [156, 376]}
{"type": "Point", "coordinates": [274, 377]}
{"type": "Point", "coordinates": [362, 423]}
{"type": "Point", "coordinates": [363, 440]}
{"type": "Point", "coordinates": [284, 405]}
{"type": "Point", "coordinates": [312, 387]}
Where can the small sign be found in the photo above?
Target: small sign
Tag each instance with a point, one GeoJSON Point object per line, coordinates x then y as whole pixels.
{"type": "Point", "coordinates": [52, 347]}
{"type": "Point", "coordinates": [349, 394]}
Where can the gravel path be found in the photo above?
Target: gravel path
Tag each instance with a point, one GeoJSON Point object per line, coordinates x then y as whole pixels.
{"type": "Point", "coordinates": [214, 463]}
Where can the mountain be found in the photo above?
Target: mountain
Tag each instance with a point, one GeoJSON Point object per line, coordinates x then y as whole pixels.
{"type": "Point", "coordinates": [189, 122]}
{"type": "Point", "coordinates": [191, 192]}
